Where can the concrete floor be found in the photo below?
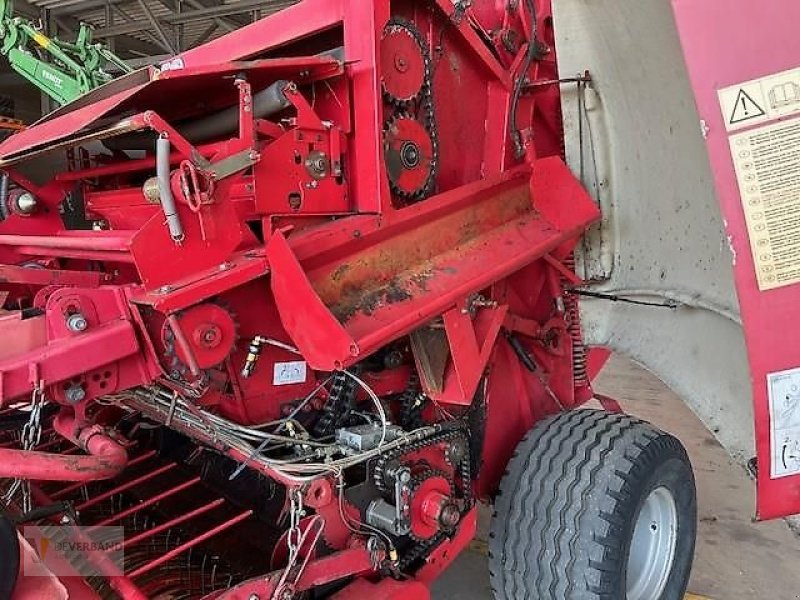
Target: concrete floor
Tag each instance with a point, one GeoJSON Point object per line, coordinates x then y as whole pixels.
{"type": "Point", "coordinates": [736, 559]}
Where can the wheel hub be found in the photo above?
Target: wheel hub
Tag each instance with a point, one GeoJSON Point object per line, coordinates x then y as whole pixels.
{"type": "Point", "coordinates": [652, 550]}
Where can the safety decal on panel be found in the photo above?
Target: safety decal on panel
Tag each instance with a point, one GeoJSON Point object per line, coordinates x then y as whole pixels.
{"type": "Point", "coordinates": [760, 100]}
{"type": "Point", "coordinates": [784, 412]}
{"type": "Point", "coordinates": [767, 162]}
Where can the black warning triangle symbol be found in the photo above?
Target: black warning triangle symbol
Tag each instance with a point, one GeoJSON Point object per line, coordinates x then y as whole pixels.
{"type": "Point", "coordinates": [745, 108]}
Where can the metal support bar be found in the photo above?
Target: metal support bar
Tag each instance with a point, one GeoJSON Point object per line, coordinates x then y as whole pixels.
{"type": "Point", "coordinates": [126, 486]}
{"type": "Point", "coordinates": [190, 544]}
{"type": "Point", "coordinates": [165, 42]}
{"type": "Point", "coordinates": [152, 500]}
{"type": "Point", "coordinates": [173, 522]}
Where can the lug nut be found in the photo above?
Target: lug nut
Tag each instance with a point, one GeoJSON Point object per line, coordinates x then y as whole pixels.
{"type": "Point", "coordinates": [76, 322]}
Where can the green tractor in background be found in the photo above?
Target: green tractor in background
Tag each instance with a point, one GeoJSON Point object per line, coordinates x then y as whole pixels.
{"type": "Point", "coordinates": [62, 70]}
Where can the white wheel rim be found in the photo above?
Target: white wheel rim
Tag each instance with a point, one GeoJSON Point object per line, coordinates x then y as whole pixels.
{"type": "Point", "coordinates": [652, 551]}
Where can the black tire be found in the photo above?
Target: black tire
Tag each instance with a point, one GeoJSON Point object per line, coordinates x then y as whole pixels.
{"type": "Point", "coordinates": [9, 557]}
{"type": "Point", "coordinates": [569, 501]}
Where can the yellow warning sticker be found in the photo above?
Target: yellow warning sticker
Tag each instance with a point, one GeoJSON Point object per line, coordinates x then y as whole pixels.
{"type": "Point", "coordinates": [760, 100]}
{"type": "Point", "coordinates": [767, 162]}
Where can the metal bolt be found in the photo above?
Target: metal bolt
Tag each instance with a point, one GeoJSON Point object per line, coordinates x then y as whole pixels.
{"type": "Point", "coordinates": [76, 322]}
{"type": "Point", "coordinates": [74, 394]}
{"type": "Point", "coordinates": [26, 203]}
{"type": "Point", "coordinates": [165, 289]}
{"type": "Point", "coordinates": [253, 597]}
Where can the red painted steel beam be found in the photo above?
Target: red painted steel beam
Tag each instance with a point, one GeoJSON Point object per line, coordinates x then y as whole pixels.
{"type": "Point", "coordinates": [104, 243]}
{"type": "Point", "coordinates": [319, 572]}
{"type": "Point", "coordinates": [102, 256]}
{"type": "Point", "coordinates": [385, 589]}
{"type": "Point", "coordinates": [25, 275]}
{"type": "Point", "coordinates": [65, 358]}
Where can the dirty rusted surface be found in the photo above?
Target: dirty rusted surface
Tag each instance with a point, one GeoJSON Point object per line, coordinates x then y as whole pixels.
{"type": "Point", "coordinates": [397, 269]}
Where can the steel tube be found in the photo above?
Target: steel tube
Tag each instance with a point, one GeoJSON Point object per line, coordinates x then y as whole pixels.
{"type": "Point", "coordinates": [173, 522]}
{"type": "Point", "coordinates": [125, 486]}
{"type": "Point", "coordinates": [78, 242]}
{"type": "Point", "coordinates": [190, 544]}
{"type": "Point", "coordinates": [76, 486]}
{"type": "Point", "coordinates": [106, 457]}
{"type": "Point", "coordinates": [146, 503]}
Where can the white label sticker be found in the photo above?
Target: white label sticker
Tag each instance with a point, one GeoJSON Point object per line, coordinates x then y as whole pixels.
{"type": "Point", "coordinates": [767, 162]}
{"type": "Point", "coordinates": [286, 373]}
{"type": "Point", "coordinates": [784, 413]}
{"type": "Point", "coordinates": [760, 100]}
{"type": "Point", "coordinates": [175, 64]}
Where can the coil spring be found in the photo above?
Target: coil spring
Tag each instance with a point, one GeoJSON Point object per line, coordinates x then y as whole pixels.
{"type": "Point", "coordinates": [580, 371]}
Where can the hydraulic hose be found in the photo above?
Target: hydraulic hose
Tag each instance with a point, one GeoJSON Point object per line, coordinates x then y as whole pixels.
{"type": "Point", "coordinates": [3, 196]}
{"type": "Point", "coordinates": [163, 148]}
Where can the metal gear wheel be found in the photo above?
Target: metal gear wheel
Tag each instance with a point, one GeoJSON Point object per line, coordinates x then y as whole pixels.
{"type": "Point", "coordinates": [409, 155]}
{"type": "Point", "coordinates": [405, 63]}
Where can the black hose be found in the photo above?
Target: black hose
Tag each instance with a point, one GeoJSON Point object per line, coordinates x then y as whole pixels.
{"type": "Point", "coordinates": [3, 196]}
{"type": "Point", "coordinates": [533, 46]}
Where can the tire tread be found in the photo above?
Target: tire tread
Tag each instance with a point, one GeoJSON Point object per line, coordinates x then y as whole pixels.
{"type": "Point", "coordinates": [571, 470]}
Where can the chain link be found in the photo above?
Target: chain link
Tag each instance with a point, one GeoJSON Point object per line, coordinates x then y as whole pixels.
{"type": "Point", "coordinates": [298, 539]}
{"type": "Point", "coordinates": [296, 514]}
{"type": "Point", "coordinates": [29, 439]}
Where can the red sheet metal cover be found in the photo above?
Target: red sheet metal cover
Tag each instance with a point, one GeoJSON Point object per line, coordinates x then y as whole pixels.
{"type": "Point", "coordinates": [199, 90]}
{"type": "Point", "coordinates": [742, 58]}
{"type": "Point", "coordinates": [47, 132]}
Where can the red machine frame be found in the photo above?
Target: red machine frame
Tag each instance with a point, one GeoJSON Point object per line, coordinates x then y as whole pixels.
{"type": "Point", "coordinates": [490, 253]}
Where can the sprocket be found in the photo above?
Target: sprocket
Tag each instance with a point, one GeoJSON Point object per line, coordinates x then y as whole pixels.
{"type": "Point", "coordinates": [409, 155]}
{"type": "Point", "coordinates": [405, 63]}
{"type": "Point", "coordinates": [423, 482]}
{"type": "Point", "coordinates": [210, 334]}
